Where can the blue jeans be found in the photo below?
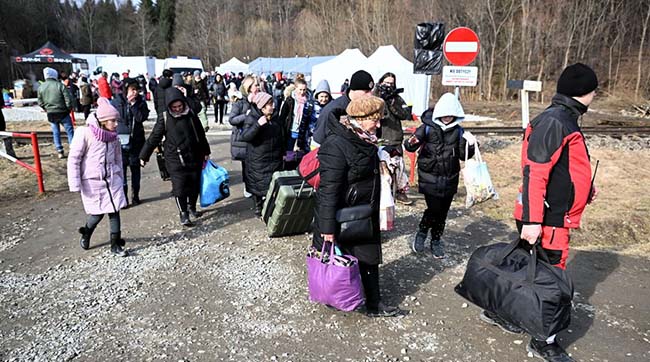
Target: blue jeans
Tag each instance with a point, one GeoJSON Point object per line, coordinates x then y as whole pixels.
{"type": "Point", "coordinates": [56, 131]}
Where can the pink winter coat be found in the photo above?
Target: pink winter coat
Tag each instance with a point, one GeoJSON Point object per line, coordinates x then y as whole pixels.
{"type": "Point", "coordinates": [95, 169]}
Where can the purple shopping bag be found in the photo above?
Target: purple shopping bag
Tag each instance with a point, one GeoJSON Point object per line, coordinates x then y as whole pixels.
{"type": "Point", "coordinates": [333, 279]}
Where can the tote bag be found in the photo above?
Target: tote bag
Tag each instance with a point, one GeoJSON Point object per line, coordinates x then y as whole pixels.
{"type": "Point", "coordinates": [215, 184]}
{"type": "Point", "coordinates": [334, 280]}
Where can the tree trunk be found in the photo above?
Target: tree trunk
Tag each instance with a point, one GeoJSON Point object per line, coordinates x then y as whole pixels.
{"type": "Point", "coordinates": [640, 57]}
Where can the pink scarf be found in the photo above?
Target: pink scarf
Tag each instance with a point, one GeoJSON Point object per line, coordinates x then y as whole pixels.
{"type": "Point", "coordinates": [298, 107]}
{"type": "Point", "coordinates": [99, 133]}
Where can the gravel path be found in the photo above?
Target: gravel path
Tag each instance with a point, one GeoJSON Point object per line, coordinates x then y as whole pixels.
{"type": "Point", "coordinates": [224, 291]}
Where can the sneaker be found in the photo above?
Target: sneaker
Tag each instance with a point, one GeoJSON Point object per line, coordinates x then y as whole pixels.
{"type": "Point", "coordinates": [418, 242]}
{"type": "Point", "coordinates": [437, 249]}
{"type": "Point", "coordinates": [61, 154]}
{"type": "Point", "coordinates": [403, 199]}
{"type": "Point", "coordinates": [495, 320]}
{"type": "Point", "coordinates": [247, 194]}
{"type": "Point", "coordinates": [383, 310]}
{"type": "Point", "coordinates": [195, 214]}
{"type": "Point", "coordinates": [136, 201]}
{"type": "Point", "coordinates": [548, 352]}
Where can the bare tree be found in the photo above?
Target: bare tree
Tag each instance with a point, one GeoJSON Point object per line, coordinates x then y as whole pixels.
{"type": "Point", "coordinates": [88, 21]}
{"type": "Point", "coordinates": [640, 56]}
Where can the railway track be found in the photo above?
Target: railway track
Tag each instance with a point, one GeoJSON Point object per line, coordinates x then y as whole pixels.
{"type": "Point", "coordinates": [46, 136]}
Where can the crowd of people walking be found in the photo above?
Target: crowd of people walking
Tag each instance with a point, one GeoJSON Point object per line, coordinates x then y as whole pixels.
{"type": "Point", "coordinates": [276, 121]}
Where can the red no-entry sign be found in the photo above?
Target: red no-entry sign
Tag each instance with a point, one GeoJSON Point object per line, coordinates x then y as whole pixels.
{"type": "Point", "coordinates": [461, 46]}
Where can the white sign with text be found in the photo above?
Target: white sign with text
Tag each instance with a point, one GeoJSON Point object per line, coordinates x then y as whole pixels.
{"type": "Point", "coordinates": [459, 76]}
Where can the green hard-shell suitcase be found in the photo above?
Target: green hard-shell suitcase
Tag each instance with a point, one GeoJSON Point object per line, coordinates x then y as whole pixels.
{"type": "Point", "coordinates": [289, 205]}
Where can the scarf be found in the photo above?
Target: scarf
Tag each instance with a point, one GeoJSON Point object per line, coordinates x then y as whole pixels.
{"type": "Point", "coordinates": [354, 126]}
{"type": "Point", "coordinates": [184, 112]}
{"type": "Point", "coordinates": [99, 133]}
{"type": "Point", "coordinates": [298, 107]}
{"type": "Point", "coordinates": [445, 127]}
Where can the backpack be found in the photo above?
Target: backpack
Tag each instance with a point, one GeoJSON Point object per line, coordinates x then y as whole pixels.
{"type": "Point", "coordinates": [309, 168]}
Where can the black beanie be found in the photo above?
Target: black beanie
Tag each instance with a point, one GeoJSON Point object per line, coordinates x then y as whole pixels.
{"type": "Point", "coordinates": [361, 80]}
{"type": "Point", "coordinates": [577, 80]}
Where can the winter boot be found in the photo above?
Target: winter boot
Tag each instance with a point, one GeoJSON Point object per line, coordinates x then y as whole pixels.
{"type": "Point", "coordinates": [185, 219]}
{"type": "Point", "coordinates": [86, 233]}
{"type": "Point", "coordinates": [259, 205]}
{"type": "Point", "coordinates": [437, 248]}
{"type": "Point", "coordinates": [116, 245]}
{"type": "Point", "coordinates": [194, 213]}
{"type": "Point", "coordinates": [417, 245]}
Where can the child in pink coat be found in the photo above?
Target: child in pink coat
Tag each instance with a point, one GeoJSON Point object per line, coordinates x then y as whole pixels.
{"type": "Point", "coordinates": [95, 170]}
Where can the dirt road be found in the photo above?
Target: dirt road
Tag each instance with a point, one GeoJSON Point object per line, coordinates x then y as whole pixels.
{"type": "Point", "coordinates": [224, 291]}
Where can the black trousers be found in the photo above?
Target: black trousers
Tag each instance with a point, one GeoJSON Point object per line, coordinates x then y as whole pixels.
{"type": "Point", "coordinates": [370, 281]}
{"type": "Point", "coordinates": [435, 215]}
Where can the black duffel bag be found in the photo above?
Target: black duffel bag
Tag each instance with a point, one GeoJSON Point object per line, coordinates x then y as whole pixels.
{"type": "Point", "coordinates": [521, 288]}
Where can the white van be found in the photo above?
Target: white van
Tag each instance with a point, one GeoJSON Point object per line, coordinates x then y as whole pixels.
{"type": "Point", "coordinates": [183, 64]}
{"type": "Point", "coordinates": [135, 65]}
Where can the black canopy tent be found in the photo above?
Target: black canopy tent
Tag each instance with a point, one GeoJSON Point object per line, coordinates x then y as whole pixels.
{"type": "Point", "coordinates": [47, 54]}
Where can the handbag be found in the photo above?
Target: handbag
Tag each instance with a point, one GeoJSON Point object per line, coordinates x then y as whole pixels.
{"type": "Point", "coordinates": [309, 168]}
{"type": "Point", "coordinates": [334, 280]}
{"type": "Point", "coordinates": [514, 284]}
{"type": "Point", "coordinates": [356, 223]}
{"type": "Point", "coordinates": [162, 167]}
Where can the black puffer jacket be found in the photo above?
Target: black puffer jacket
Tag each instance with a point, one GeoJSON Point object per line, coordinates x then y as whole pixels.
{"type": "Point", "coordinates": [439, 159]}
{"type": "Point", "coordinates": [185, 142]}
{"type": "Point", "coordinates": [237, 120]}
{"type": "Point", "coordinates": [131, 121]}
{"type": "Point", "coordinates": [266, 146]}
{"type": "Point", "coordinates": [349, 171]}
{"type": "Point", "coordinates": [159, 96]}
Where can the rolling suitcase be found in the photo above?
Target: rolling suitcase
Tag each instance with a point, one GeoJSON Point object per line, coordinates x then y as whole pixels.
{"type": "Point", "coordinates": [289, 205]}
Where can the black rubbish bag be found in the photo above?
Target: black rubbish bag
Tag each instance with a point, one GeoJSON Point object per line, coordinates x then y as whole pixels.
{"type": "Point", "coordinates": [514, 284]}
{"type": "Point", "coordinates": [427, 62]}
{"type": "Point", "coordinates": [429, 36]}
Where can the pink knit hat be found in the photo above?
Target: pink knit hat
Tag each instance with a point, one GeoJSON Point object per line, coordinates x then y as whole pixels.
{"type": "Point", "coordinates": [261, 99]}
{"type": "Point", "coordinates": [105, 110]}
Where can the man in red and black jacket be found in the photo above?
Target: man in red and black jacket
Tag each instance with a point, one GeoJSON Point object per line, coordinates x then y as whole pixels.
{"type": "Point", "coordinates": [556, 168]}
{"type": "Point", "coordinates": [556, 184]}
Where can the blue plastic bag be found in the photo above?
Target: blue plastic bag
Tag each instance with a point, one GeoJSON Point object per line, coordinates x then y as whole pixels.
{"type": "Point", "coordinates": [215, 184]}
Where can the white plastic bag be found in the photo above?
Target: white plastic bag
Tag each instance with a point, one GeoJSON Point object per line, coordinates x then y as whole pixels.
{"type": "Point", "coordinates": [477, 179]}
{"type": "Point", "coordinates": [386, 202]}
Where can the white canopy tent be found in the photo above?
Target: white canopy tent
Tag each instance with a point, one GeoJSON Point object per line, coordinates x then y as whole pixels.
{"type": "Point", "coordinates": [416, 86]}
{"type": "Point", "coordinates": [340, 68]}
{"type": "Point", "coordinates": [233, 65]}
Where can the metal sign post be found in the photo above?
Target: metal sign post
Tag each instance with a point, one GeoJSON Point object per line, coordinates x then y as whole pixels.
{"type": "Point", "coordinates": [524, 87]}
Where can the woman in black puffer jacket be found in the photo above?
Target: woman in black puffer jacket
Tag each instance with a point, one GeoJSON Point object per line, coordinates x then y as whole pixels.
{"type": "Point", "coordinates": [237, 120]}
{"type": "Point", "coordinates": [265, 138]}
{"type": "Point", "coordinates": [349, 172]}
{"type": "Point", "coordinates": [186, 147]}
